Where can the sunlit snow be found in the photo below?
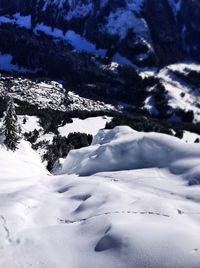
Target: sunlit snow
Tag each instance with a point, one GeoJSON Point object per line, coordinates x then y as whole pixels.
{"type": "Point", "coordinates": [137, 211]}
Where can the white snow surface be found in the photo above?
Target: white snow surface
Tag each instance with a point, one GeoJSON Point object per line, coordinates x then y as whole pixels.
{"type": "Point", "coordinates": [23, 163]}
{"type": "Point", "coordinates": [31, 123]}
{"type": "Point", "coordinates": [123, 148]}
{"type": "Point", "coordinates": [137, 212]}
{"type": "Point", "coordinates": [90, 125]}
{"type": "Point", "coordinates": [190, 137]}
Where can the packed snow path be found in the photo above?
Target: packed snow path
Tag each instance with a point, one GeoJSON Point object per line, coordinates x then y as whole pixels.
{"type": "Point", "coordinates": [144, 217]}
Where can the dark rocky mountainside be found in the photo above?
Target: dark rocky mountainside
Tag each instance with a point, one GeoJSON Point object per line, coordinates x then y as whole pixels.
{"type": "Point", "coordinates": [118, 52]}
{"type": "Point", "coordinates": [166, 31]}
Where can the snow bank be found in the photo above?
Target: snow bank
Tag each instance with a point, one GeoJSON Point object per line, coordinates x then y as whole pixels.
{"type": "Point", "coordinates": [123, 148]}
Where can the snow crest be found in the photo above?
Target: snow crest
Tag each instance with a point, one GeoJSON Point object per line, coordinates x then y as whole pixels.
{"type": "Point", "coordinates": [123, 149]}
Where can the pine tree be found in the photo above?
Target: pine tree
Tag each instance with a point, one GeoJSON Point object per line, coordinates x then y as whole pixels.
{"type": "Point", "coordinates": [11, 129]}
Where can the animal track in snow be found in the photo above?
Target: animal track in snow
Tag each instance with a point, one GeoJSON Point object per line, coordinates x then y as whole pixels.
{"type": "Point", "coordinates": [4, 224]}
{"type": "Point", "coordinates": [115, 212]}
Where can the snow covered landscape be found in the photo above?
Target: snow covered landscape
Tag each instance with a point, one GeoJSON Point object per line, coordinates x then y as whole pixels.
{"type": "Point", "coordinates": [129, 200]}
{"type": "Point", "coordinates": [99, 134]}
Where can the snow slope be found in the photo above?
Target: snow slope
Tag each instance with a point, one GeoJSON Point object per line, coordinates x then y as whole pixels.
{"type": "Point", "coordinates": [146, 216]}
{"type": "Point", "coordinates": [23, 163]}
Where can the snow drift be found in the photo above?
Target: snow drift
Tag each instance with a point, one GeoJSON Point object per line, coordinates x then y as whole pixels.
{"type": "Point", "coordinates": [123, 149]}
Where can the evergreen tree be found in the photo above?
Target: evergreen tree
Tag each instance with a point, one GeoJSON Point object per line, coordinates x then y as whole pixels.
{"type": "Point", "coordinates": [11, 129]}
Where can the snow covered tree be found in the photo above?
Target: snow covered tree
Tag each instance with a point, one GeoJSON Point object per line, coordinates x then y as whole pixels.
{"type": "Point", "coordinates": [11, 129]}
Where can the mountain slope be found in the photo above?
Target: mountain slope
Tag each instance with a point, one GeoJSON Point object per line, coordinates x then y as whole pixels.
{"type": "Point", "coordinates": [119, 53]}
{"type": "Point", "coordinates": [131, 28]}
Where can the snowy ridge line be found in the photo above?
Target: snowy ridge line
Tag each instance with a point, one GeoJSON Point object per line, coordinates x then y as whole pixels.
{"type": "Point", "coordinates": [115, 212]}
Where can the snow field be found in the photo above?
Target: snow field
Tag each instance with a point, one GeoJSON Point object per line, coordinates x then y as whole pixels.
{"type": "Point", "coordinates": [90, 125]}
{"type": "Point", "coordinates": [137, 211]}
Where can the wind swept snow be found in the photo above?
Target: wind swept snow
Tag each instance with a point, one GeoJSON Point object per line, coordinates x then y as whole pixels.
{"type": "Point", "coordinates": [139, 211]}
{"type": "Point", "coordinates": [124, 149]}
